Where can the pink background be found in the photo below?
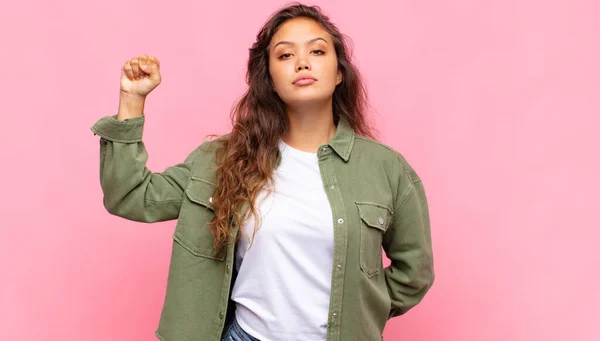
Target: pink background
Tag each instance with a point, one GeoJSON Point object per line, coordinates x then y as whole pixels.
{"type": "Point", "coordinates": [495, 103]}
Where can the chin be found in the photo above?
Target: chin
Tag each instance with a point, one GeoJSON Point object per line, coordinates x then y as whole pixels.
{"type": "Point", "coordinates": [307, 98]}
{"type": "Point", "coordinates": [304, 101]}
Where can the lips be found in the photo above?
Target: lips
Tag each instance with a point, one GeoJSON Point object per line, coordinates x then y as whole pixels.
{"type": "Point", "coordinates": [304, 80]}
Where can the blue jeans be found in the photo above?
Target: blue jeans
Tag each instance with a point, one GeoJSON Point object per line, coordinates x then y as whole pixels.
{"type": "Point", "coordinates": [236, 333]}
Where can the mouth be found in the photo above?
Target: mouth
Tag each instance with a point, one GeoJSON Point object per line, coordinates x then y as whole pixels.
{"type": "Point", "coordinates": [304, 81]}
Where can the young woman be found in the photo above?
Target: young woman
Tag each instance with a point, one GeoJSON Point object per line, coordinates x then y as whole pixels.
{"type": "Point", "coordinates": [280, 223]}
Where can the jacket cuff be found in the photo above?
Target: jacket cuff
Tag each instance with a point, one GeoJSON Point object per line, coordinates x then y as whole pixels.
{"type": "Point", "coordinates": [126, 131]}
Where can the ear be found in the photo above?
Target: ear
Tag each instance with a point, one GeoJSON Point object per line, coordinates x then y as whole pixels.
{"type": "Point", "coordinates": [339, 77]}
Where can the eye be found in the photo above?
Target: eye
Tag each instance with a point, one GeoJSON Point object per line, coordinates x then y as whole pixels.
{"type": "Point", "coordinates": [285, 56]}
{"type": "Point", "coordinates": [319, 52]}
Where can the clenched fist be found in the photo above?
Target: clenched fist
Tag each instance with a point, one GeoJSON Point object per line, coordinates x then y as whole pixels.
{"type": "Point", "coordinates": [140, 75]}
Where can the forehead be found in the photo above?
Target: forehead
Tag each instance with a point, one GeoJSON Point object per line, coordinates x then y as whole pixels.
{"type": "Point", "coordinates": [300, 30]}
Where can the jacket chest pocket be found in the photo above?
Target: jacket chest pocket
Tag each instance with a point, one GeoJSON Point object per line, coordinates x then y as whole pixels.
{"type": "Point", "coordinates": [197, 211]}
{"type": "Point", "coordinates": [375, 219]}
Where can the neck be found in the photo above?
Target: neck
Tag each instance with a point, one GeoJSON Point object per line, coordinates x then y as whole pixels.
{"type": "Point", "coordinates": [310, 127]}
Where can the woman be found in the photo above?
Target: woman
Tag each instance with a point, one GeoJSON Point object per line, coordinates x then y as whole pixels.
{"type": "Point", "coordinates": [280, 223]}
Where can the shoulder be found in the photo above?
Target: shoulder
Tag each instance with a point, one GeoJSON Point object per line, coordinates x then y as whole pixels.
{"type": "Point", "coordinates": [205, 151]}
{"type": "Point", "coordinates": [390, 157]}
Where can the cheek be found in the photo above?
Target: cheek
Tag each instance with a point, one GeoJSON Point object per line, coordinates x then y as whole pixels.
{"type": "Point", "coordinates": [328, 67]}
{"type": "Point", "coordinates": [329, 77]}
{"type": "Point", "coordinates": [277, 73]}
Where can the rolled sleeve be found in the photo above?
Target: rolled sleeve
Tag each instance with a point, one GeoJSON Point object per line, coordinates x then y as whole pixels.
{"type": "Point", "coordinates": [125, 131]}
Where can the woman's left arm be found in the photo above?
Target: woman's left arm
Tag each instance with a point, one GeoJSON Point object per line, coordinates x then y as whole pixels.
{"type": "Point", "coordinates": [407, 243]}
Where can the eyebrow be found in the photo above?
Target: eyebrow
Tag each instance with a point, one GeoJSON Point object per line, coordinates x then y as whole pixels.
{"type": "Point", "coordinates": [308, 42]}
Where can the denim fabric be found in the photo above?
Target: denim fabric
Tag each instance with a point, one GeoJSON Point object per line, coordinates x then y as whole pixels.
{"type": "Point", "coordinates": [236, 333]}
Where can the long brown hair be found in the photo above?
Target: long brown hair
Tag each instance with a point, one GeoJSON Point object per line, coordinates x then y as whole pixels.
{"type": "Point", "coordinates": [246, 157]}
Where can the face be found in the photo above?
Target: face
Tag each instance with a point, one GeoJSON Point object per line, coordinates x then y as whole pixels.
{"type": "Point", "coordinates": [302, 63]}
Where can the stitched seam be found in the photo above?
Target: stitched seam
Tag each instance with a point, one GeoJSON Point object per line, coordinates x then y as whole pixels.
{"type": "Point", "coordinates": [405, 195]}
{"type": "Point", "coordinates": [370, 272]}
{"type": "Point", "coordinates": [363, 263]}
{"type": "Point", "coordinates": [199, 201]}
{"type": "Point", "coordinates": [398, 155]}
{"type": "Point", "coordinates": [162, 201]}
{"type": "Point", "coordinates": [347, 154]}
{"type": "Point", "coordinates": [203, 180]}
{"type": "Point", "coordinates": [408, 175]}
{"type": "Point", "coordinates": [116, 139]}
{"type": "Point", "coordinates": [376, 225]}
{"type": "Point", "coordinates": [194, 252]}
{"type": "Point", "coordinates": [377, 143]}
{"type": "Point", "coordinates": [374, 204]}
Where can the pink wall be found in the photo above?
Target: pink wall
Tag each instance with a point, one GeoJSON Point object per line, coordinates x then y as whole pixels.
{"type": "Point", "coordinates": [495, 103]}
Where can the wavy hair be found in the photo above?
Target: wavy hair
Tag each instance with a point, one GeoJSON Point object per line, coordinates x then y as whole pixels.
{"type": "Point", "coordinates": [246, 157]}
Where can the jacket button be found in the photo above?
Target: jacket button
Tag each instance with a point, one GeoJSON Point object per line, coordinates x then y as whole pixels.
{"type": "Point", "coordinates": [381, 221]}
{"type": "Point", "coordinates": [210, 200]}
{"type": "Point", "coordinates": [221, 315]}
{"type": "Point", "coordinates": [340, 221]}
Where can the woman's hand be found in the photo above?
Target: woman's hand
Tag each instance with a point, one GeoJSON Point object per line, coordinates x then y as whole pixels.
{"type": "Point", "coordinates": [140, 75]}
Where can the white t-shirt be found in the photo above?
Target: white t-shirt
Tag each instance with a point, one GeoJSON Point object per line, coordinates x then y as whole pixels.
{"type": "Point", "coordinates": [284, 279]}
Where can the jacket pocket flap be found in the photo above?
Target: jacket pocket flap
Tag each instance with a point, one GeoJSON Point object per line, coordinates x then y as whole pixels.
{"type": "Point", "coordinates": [200, 191]}
{"type": "Point", "coordinates": [374, 215]}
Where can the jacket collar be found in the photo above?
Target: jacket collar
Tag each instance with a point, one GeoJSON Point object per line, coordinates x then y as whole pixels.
{"type": "Point", "coordinates": [343, 140]}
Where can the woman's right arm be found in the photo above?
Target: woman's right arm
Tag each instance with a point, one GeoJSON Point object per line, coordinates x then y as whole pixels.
{"type": "Point", "coordinates": [130, 189]}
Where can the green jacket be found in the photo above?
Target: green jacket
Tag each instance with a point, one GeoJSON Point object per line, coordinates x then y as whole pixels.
{"type": "Point", "coordinates": [376, 198]}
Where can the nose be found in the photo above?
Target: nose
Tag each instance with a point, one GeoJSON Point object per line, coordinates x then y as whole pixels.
{"type": "Point", "coordinates": [302, 64]}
